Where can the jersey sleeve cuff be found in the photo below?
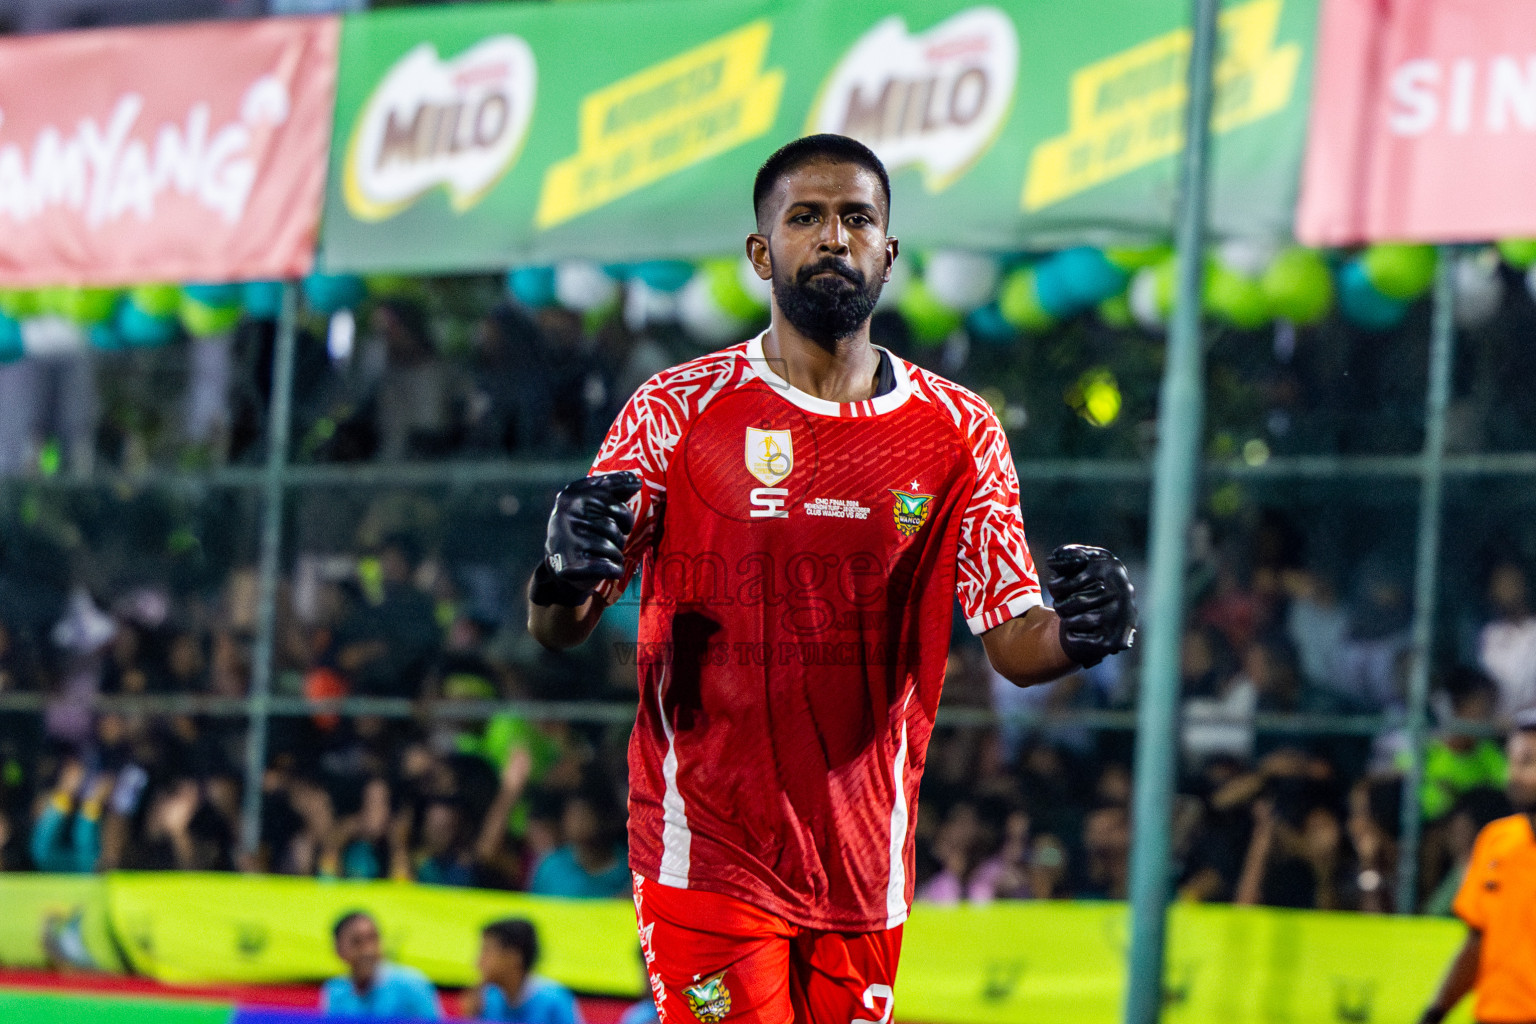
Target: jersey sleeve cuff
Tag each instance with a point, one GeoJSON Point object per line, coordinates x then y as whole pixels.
{"type": "Point", "coordinates": [993, 617]}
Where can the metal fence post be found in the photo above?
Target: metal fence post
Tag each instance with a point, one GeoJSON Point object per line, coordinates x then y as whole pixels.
{"type": "Point", "coordinates": [1426, 568]}
{"type": "Point", "coordinates": [258, 702]}
{"type": "Point", "coordinates": [1180, 412]}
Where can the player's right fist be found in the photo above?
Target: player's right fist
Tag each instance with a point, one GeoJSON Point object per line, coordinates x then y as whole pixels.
{"type": "Point", "coordinates": [1094, 600]}
{"type": "Point", "coordinates": [584, 545]}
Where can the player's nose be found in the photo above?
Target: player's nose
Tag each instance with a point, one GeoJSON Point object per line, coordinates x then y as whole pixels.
{"type": "Point", "coordinates": [834, 237]}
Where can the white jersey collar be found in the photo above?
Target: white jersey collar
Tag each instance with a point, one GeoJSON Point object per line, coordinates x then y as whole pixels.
{"type": "Point", "coordinates": [759, 366]}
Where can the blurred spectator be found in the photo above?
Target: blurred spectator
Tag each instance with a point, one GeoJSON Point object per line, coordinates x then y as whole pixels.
{"type": "Point", "coordinates": [1375, 814]}
{"type": "Point", "coordinates": [1507, 643]}
{"type": "Point", "coordinates": [509, 990]}
{"type": "Point", "coordinates": [373, 987]}
{"type": "Point", "coordinates": [1456, 762]}
{"type": "Point", "coordinates": [444, 855]}
{"type": "Point", "coordinates": [1316, 624]}
{"type": "Point", "coordinates": [1372, 659]}
{"type": "Point", "coordinates": [591, 861]}
{"type": "Point", "coordinates": [1218, 716]}
{"type": "Point", "coordinates": [1473, 809]}
{"type": "Point", "coordinates": [66, 836]}
{"type": "Point", "coordinates": [1107, 852]}
{"type": "Point", "coordinates": [417, 390]}
{"type": "Point", "coordinates": [386, 645]}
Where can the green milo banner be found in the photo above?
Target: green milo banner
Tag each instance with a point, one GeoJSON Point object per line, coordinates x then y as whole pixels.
{"type": "Point", "coordinates": [1009, 963]}
{"type": "Point", "coordinates": [487, 135]}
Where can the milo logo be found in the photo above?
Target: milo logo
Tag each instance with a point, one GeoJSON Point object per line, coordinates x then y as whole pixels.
{"type": "Point", "coordinates": [935, 100]}
{"type": "Point", "coordinates": [458, 124]}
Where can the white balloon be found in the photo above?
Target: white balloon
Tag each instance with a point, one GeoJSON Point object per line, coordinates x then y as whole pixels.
{"type": "Point", "coordinates": [1479, 288]}
{"type": "Point", "coordinates": [584, 286]}
{"type": "Point", "coordinates": [1249, 257]}
{"type": "Point", "coordinates": [644, 305]}
{"type": "Point", "coordinates": [702, 317]}
{"type": "Point", "coordinates": [962, 280]}
{"type": "Point", "coordinates": [901, 276]}
{"type": "Point", "coordinates": [760, 290]}
{"type": "Point", "coordinates": [53, 336]}
{"type": "Point", "coordinates": [1143, 300]}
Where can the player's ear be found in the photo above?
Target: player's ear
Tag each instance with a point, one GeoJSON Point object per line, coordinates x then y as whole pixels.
{"type": "Point", "coordinates": [757, 252]}
{"type": "Point", "coordinates": [892, 247]}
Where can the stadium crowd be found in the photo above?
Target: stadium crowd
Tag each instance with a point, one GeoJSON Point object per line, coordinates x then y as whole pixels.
{"type": "Point", "coordinates": [391, 592]}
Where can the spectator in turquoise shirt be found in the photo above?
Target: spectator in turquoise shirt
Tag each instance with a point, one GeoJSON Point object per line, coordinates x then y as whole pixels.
{"type": "Point", "coordinates": [372, 987]}
{"type": "Point", "coordinates": [592, 862]}
{"type": "Point", "coordinates": [509, 991]}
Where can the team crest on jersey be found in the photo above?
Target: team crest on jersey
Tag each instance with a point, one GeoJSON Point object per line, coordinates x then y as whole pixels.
{"type": "Point", "coordinates": [770, 455]}
{"type": "Point", "coordinates": [709, 999]}
{"type": "Point", "coordinates": [911, 511]}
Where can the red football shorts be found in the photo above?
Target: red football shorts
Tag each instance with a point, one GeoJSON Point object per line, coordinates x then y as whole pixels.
{"type": "Point", "coordinates": [713, 958]}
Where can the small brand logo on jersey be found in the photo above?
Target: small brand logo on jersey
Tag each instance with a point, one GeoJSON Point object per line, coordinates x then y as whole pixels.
{"type": "Point", "coordinates": [770, 455]}
{"type": "Point", "coordinates": [709, 999]}
{"type": "Point", "coordinates": [911, 511]}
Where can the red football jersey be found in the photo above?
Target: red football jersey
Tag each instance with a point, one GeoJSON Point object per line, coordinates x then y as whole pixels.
{"type": "Point", "coordinates": [799, 562]}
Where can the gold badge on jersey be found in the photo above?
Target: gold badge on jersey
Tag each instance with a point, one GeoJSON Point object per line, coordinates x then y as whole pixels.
{"type": "Point", "coordinates": [709, 999]}
{"type": "Point", "coordinates": [770, 455]}
{"type": "Point", "coordinates": [911, 511]}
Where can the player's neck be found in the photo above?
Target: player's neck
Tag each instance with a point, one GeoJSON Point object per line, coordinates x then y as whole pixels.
{"type": "Point", "coordinates": [842, 371]}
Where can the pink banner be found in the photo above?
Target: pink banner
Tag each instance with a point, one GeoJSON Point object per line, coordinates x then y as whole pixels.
{"type": "Point", "coordinates": [1423, 123]}
{"type": "Point", "coordinates": [192, 153]}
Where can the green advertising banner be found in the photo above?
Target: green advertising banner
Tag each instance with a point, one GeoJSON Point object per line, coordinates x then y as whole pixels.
{"type": "Point", "coordinates": [1008, 963]}
{"type": "Point", "coordinates": [57, 922]}
{"type": "Point", "coordinates": [483, 136]}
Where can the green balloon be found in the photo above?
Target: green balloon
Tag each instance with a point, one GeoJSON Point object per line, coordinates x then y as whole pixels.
{"type": "Point", "coordinates": [156, 300]}
{"type": "Point", "coordinates": [202, 320]}
{"type": "Point", "coordinates": [1166, 274]}
{"type": "Point", "coordinates": [1519, 253]}
{"type": "Point", "coordinates": [1131, 259]}
{"type": "Point", "coordinates": [1298, 286]}
{"type": "Point", "coordinates": [1399, 270]}
{"type": "Point", "coordinates": [1116, 312]}
{"type": "Point", "coordinates": [726, 289]}
{"type": "Point", "coordinates": [931, 321]}
{"type": "Point", "coordinates": [1236, 299]}
{"type": "Point", "coordinates": [1019, 302]}
{"type": "Point", "coordinates": [19, 305]}
{"type": "Point", "coordinates": [88, 306]}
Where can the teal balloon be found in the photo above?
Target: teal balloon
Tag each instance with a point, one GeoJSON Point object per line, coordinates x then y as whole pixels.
{"type": "Point", "coordinates": [664, 275]}
{"type": "Point", "coordinates": [263, 300]}
{"type": "Point", "coordinates": [138, 328]}
{"type": "Point", "coordinates": [331, 293]}
{"type": "Point", "coordinates": [1363, 305]}
{"type": "Point", "coordinates": [219, 296]}
{"type": "Point", "coordinates": [1075, 279]}
{"type": "Point", "coordinates": [534, 287]}
{"type": "Point", "coordinates": [989, 325]}
{"type": "Point", "coordinates": [107, 337]}
{"type": "Point", "coordinates": [11, 347]}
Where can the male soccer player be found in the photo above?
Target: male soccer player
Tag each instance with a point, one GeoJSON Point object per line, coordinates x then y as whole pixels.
{"type": "Point", "coordinates": [509, 990]}
{"type": "Point", "coordinates": [1498, 903]}
{"type": "Point", "coordinates": [805, 506]}
{"type": "Point", "coordinates": [372, 987]}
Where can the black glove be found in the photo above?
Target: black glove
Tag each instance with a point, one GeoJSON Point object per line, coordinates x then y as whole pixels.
{"type": "Point", "coordinates": [1432, 1015]}
{"type": "Point", "coordinates": [585, 543]}
{"type": "Point", "coordinates": [1094, 600]}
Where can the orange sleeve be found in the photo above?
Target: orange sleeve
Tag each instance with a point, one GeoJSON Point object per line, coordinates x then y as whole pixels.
{"type": "Point", "coordinates": [1471, 903]}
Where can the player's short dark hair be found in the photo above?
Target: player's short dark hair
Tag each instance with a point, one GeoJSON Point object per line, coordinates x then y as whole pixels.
{"type": "Point", "coordinates": [802, 151]}
{"type": "Point", "coordinates": [515, 933]}
{"type": "Point", "coordinates": [346, 919]}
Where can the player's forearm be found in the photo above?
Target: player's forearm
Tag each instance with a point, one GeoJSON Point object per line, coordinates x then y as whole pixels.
{"type": "Point", "coordinates": [1459, 980]}
{"type": "Point", "coordinates": [559, 627]}
{"type": "Point", "coordinates": [1027, 650]}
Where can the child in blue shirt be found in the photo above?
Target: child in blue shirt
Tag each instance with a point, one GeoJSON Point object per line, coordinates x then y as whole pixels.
{"type": "Point", "coordinates": [509, 990]}
{"type": "Point", "coordinates": [371, 987]}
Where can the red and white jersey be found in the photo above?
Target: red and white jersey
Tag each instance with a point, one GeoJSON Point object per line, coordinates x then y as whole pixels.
{"type": "Point", "coordinates": [800, 560]}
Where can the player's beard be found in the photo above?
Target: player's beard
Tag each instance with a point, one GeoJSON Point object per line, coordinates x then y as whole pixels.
{"type": "Point", "coordinates": [827, 310]}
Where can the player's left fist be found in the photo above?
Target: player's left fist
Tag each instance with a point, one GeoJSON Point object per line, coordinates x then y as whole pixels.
{"type": "Point", "coordinates": [1094, 600]}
